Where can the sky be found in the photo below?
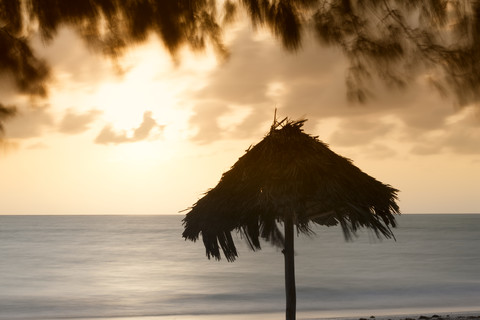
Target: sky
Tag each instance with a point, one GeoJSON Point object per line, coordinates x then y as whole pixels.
{"type": "Point", "coordinates": [149, 134]}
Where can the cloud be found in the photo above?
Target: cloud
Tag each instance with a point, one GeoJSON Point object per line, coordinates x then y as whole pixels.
{"type": "Point", "coordinates": [143, 131]}
{"type": "Point", "coordinates": [5, 113]}
{"type": "Point", "coordinates": [35, 121]}
{"type": "Point", "coordinates": [207, 125]}
{"type": "Point", "coordinates": [74, 123]}
{"type": "Point", "coordinates": [29, 122]}
{"type": "Point", "coordinates": [380, 151]}
{"type": "Point", "coordinates": [72, 60]}
{"type": "Point", "coordinates": [260, 76]}
{"type": "Point", "coordinates": [359, 131]}
{"type": "Point", "coordinates": [38, 145]}
{"type": "Point", "coordinates": [108, 135]}
{"type": "Point", "coordinates": [460, 135]}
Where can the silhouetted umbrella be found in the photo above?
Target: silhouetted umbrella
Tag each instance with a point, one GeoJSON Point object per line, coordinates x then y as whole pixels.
{"type": "Point", "coordinates": [294, 179]}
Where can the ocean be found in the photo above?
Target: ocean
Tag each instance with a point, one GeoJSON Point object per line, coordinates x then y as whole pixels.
{"type": "Point", "coordinates": [139, 267]}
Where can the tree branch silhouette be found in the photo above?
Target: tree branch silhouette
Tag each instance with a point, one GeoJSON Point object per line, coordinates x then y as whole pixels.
{"type": "Point", "coordinates": [5, 113]}
{"type": "Point", "coordinates": [393, 41]}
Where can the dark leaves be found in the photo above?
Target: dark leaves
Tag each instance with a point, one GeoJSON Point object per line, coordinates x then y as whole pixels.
{"type": "Point", "coordinates": [11, 15]}
{"type": "Point", "coordinates": [5, 113]}
{"type": "Point", "coordinates": [19, 61]}
{"type": "Point", "coordinates": [390, 40]}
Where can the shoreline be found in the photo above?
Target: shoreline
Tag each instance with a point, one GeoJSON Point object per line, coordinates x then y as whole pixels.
{"type": "Point", "coordinates": [306, 315]}
{"type": "Point", "coordinates": [467, 315]}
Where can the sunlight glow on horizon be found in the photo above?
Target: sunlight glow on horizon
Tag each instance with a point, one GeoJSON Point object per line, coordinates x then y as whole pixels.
{"type": "Point", "coordinates": [51, 171]}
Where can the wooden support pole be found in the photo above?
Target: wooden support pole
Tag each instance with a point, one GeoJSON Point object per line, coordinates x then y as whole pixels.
{"type": "Point", "coordinates": [288, 252]}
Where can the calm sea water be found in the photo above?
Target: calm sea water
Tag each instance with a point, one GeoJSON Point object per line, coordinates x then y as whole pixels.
{"type": "Point", "coordinates": [63, 267]}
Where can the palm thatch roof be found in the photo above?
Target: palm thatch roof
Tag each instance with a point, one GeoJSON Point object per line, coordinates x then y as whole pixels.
{"type": "Point", "coordinates": [288, 174]}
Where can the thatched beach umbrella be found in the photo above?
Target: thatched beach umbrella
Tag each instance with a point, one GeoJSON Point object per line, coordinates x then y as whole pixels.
{"type": "Point", "coordinates": [292, 179]}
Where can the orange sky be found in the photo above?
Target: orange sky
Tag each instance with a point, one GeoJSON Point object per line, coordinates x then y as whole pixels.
{"type": "Point", "coordinates": [148, 136]}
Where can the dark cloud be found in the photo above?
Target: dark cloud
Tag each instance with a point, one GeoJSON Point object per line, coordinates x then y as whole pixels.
{"type": "Point", "coordinates": [75, 123]}
{"type": "Point", "coordinates": [466, 141]}
{"type": "Point", "coordinates": [308, 84]}
{"type": "Point", "coordinates": [69, 56]}
{"type": "Point", "coordinates": [29, 122]}
{"type": "Point", "coordinates": [210, 126]}
{"type": "Point", "coordinates": [252, 126]}
{"type": "Point", "coordinates": [5, 113]}
{"type": "Point", "coordinates": [464, 137]}
{"type": "Point", "coordinates": [108, 135]}
{"type": "Point", "coordinates": [380, 151]}
{"type": "Point", "coordinates": [355, 131]}
{"type": "Point", "coordinates": [242, 82]}
{"type": "Point", "coordinates": [423, 149]}
{"type": "Point", "coordinates": [311, 83]}
{"type": "Point", "coordinates": [460, 136]}
{"type": "Point", "coordinates": [143, 132]}
{"type": "Point", "coordinates": [207, 125]}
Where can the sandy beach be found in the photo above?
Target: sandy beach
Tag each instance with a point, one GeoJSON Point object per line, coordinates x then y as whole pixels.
{"type": "Point", "coordinates": [311, 316]}
{"type": "Point", "coordinates": [453, 316]}
{"type": "Point", "coordinates": [468, 315]}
